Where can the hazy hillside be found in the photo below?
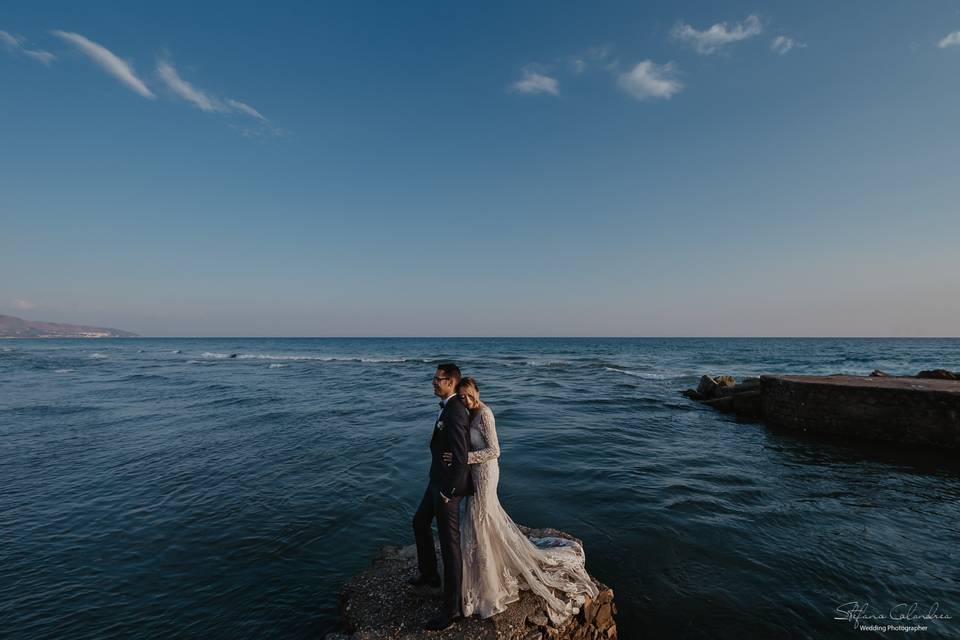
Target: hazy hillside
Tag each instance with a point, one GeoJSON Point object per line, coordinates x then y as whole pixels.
{"type": "Point", "coordinates": [12, 327]}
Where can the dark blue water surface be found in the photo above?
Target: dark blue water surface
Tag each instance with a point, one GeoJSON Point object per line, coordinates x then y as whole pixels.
{"type": "Point", "coordinates": [155, 488]}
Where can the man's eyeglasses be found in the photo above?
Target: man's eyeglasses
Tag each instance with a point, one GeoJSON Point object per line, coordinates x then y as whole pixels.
{"type": "Point", "coordinates": [436, 379]}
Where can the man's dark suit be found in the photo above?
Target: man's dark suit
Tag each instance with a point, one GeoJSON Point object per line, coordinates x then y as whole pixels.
{"type": "Point", "coordinates": [450, 433]}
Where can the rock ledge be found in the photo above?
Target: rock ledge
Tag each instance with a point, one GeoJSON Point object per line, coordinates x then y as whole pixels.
{"type": "Point", "coordinates": [377, 604]}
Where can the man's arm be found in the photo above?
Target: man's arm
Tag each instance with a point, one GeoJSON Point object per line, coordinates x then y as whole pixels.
{"type": "Point", "coordinates": [458, 424]}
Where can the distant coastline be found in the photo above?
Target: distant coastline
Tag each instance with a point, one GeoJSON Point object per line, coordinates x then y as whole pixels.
{"type": "Point", "coordinates": [13, 327]}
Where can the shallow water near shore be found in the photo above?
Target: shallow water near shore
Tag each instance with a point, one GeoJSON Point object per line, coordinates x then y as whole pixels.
{"type": "Point", "coordinates": [160, 487]}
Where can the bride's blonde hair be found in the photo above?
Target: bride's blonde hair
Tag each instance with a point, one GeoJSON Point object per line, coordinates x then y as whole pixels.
{"type": "Point", "coordinates": [469, 385]}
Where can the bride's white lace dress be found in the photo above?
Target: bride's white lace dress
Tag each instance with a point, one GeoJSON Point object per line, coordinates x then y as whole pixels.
{"type": "Point", "coordinates": [498, 559]}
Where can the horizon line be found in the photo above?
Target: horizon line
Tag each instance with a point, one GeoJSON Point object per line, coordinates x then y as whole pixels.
{"type": "Point", "coordinates": [412, 337]}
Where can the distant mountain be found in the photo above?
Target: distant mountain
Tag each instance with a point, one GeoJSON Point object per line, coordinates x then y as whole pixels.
{"type": "Point", "coordinates": [11, 327]}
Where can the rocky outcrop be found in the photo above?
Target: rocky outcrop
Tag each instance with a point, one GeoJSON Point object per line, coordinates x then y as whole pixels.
{"type": "Point", "coordinates": [939, 374]}
{"type": "Point", "coordinates": [377, 604]}
{"type": "Point", "coordinates": [724, 394]}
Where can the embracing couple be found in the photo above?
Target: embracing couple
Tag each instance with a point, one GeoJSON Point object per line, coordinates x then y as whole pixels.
{"type": "Point", "coordinates": [487, 560]}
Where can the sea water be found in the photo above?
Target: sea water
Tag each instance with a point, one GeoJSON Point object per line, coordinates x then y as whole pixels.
{"type": "Point", "coordinates": [226, 488]}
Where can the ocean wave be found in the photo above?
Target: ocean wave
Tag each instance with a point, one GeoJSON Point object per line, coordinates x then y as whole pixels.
{"type": "Point", "coordinates": [63, 370]}
{"type": "Point", "coordinates": [539, 363]}
{"type": "Point", "coordinates": [276, 365]}
{"type": "Point", "coordinates": [98, 356]}
{"type": "Point", "coordinates": [638, 374]}
{"type": "Point", "coordinates": [549, 363]}
{"type": "Point", "coordinates": [305, 358]}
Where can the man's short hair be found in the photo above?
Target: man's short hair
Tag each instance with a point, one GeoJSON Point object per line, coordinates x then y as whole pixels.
{"type": "Point", "coordinates": [450, 370]}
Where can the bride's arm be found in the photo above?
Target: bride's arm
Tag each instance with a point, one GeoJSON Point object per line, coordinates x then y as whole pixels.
{"type": "Point", "coordinates": [488, 428]}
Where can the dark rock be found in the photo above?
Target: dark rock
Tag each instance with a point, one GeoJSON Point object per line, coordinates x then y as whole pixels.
{"type": "Point", "coordinates": [876, 373]}
{"type": "Point", "coordinates": [377, 604]}
{"type": "Point", "coordinates": [746, 403]}
{"type": "Point", "coordinates": [690, 393]}
{"type": "Point", "coordinates": [938, 374]}
{"type": "Point", "coordinates": [707, 387]}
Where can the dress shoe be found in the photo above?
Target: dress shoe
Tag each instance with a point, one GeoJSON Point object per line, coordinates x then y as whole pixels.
{"type": "Point", "coordinates": [442, 622]}
{"type": "Point", "coordinates": [419, 581]}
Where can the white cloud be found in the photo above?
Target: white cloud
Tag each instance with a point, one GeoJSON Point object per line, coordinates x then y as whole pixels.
{"type": "Point", "coordinates": [782, 44]}
{"type": "Point", "coordinates": [719, 35]}
{"type": "Point", "coordinates": [212, 104]}
{"type": "Point", "coordinates": [14, 44]}
{"type": "Point", "coordinates": [247, 109]}
{"type": "Point", "coordinates": [186, 90]}
{"type": "Point", "coordinates": [10, 41]}
{"type": "Point", "coordinates": [950, 40]}
{"type": "Point", "coordinates": [648, 80]}
{"type": "Point", "coordinates": [23, 305]}
{"type": "Point", "coordinates": [593, 55]}
{"type": "Point", "coordinates": [42, 56]}
{"type": "Point", "coordinates": [534, 82]}
{"type": "Point", "coordinates": [107, 61]}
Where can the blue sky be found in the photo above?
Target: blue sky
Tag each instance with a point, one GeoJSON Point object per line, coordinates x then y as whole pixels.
{"type": "Point", "coordinates": [515, 168]}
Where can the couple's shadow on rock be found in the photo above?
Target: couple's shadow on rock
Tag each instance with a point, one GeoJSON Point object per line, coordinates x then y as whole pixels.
{"type": "Point", "coordinates": [378, 604]}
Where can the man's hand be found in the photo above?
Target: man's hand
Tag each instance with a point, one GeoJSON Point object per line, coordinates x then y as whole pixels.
{"type": "Point", "coordinates": [444, 498]}
{"type": "Point", "coordinates": [447, 457]}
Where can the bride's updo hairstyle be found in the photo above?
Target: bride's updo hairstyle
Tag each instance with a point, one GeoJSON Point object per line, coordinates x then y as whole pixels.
{"type": "Point", "coordinates": [469, 386]}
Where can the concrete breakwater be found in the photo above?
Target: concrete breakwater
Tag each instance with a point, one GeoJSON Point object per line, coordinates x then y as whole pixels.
{"type": "Point", "coordinates": [921, 410]}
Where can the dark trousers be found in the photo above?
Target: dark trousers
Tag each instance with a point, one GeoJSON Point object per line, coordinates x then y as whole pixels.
{"type": "Point", "coordinates": [448, 526]}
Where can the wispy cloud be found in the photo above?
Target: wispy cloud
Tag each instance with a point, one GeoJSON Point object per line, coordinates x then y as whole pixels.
{"type": "Point", "coordinates": [212, 104]}
{"type": "Point", "coordinates": [950, 40]}
{"type": "Point", "coordinates": [594, 55]}
{"type": "Point", "coordinates": [247, 109]}
{"type": "Point", "coordinates": [187, 91]}
{"type": "Point", "coordinates": [107, 61]}
{"type": "Point", "coordinates": [14, 44]}
{"type": "Point", "coordinates": [782, 44]}
{"type": "Point", "coordinates": [42, 56]}
{"type": "Point", "coordinates": [649, 80]}
{"type": "Point", "coordinates": [717, 37]}
{"type": "Point", "coordinates": [9, 41]}
{"type": "Point", "coordinates": [533, 82]}
{"type": "Point", "coordinates": [23, 305]}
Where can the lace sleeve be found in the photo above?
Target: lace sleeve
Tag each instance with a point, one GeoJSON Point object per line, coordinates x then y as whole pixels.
{"type": "Point", "coordinates": [488, 429]}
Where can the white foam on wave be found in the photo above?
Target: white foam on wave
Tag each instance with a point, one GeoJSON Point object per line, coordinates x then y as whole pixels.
{"type": "Point", "coordinates": [638, 374]}
{"type": "Point", "coordinates": [98, 356]}
{"type": "Point", "coordinates": [278, 366]}
{"type": "Point", "coordinates": [63, 370]}
{"type": "Point", "coordinates": [266, 356]}
{"type": "Point", "coordinates": [303, 358]}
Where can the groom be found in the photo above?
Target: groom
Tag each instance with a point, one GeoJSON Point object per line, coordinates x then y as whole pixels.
{"type": "Point", "coordinates": [448, 484]}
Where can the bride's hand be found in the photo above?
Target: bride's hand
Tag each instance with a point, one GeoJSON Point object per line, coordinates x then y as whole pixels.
{"type": "Point", "coordinates": [447, 457]}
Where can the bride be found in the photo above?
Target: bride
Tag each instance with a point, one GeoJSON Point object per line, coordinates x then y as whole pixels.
{"type": "Point", "coordinates": [498, 559]}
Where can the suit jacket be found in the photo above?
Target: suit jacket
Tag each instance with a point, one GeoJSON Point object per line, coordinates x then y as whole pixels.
{"type": "Point", "coordinates": [451, 433]}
